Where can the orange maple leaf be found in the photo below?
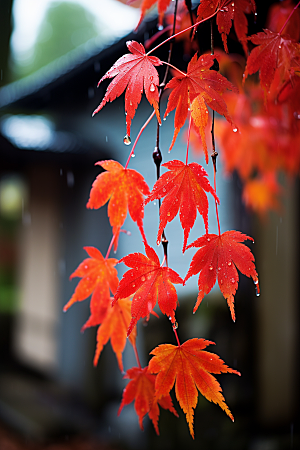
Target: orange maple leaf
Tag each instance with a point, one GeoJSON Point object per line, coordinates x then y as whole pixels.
{"type": "Point", "coordinates": [141, 389]}
{"type": "Point", "coordinates": [182, 182]}
{"type": "Point", "coordinates": [189, 368]}
{"type": "Point", "coordinates": [149, 282]}
{"type": "Point", "coordinates": [114, 327]}
{"type": "Point", "coordinates": [221, 256]}
{"type": "Point", "coordinates": [134, 72]}
{"type": "Point", "coordinates": [261, 193]}
{"type": "Point", "coordinates": [124, 190]}
{"type": "Point", "coordinates": [99, 277]}
{"type": "Point", "coordinates": [199, 82]}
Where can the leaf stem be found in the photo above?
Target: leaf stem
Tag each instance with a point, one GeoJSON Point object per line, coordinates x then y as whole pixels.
{"type": "Point", "coordinates": [183, 31]}
{"type": "Point", "coordinates": [188, 140]}
{"type": "Point", "coordinates": [173, 67]}
{"type": "Point", "coordinates": [136, 355]}
{"type": "Point", "coordinates": [111, 244]}
{"type": "Point", "coordinates": [176, 335]}
{"type": "Point", "coordinates": [290, 15]}
{"type": "Point", "coordinates": [138, 137]}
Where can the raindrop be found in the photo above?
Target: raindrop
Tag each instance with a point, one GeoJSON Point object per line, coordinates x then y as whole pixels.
{"type": "Point", "coordinates": [70, 179]}
{"type": "Point", "coordinates": [154, 203]}
{"type": "Point", "coordinates": [232, 280]}
{"type": "Point", "coordinates": [208, 239]}
{"type": "Point", "coordinates": [143, 279]}
{"type": "Point", "coordinates": [91, 92]}
{"type": "Point", "coordinates": [279, 46]}
{"type": "Point", "coordinates": [97, 66]}
{"type": "Point", "coordinates": [211, 268]}
{"type": "Point", "coordinates": [127, 140]}
{"type": "Point", "coordinates": [256, 282]}
{"type": "Point", "coordinates": [234, 130]}
{"type": "Point", "coordinates": [160, 27]}
{"type": "Point", "coordinates": [133, 285]}
{"type": "Point", "coordinates": [175, 326]}
{"type": "Point", "coordinates": [229, 263]}
{"type": "Point", "coordinates": [152, 87]}
{"type": "Point", "coordinates": [133, 155]}
{"type": "Point", "coordinates": [164, 118]}
{"type": "Point", "coordinates": [168, 214]}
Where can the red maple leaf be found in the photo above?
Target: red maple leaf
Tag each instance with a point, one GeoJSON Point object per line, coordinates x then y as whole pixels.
{"type": "Point", "coordinates": [184, 188]}
{"type": "Point", "coordinates": [229, 11]}
{"type": "Point", "coordinates": [220, 256]}
{"type": "Point", "coordinates": [278, 14]}
{"type": "Point", "coordinates": [189, 368]}
{"type": "Point", "coordinates": [99, 277]}
{"type": "Point", "coordinates": [134, 72]}
{"type": "Point", "coordinates": [273, 52]}
{"type": "Point", "coordinates": [114, 327]}
{"type": "Point", "coordinates": [141, 389]}
{"type": "Point", "coordinates": [124, 189]}
{"type": "Point", "coordinates": [149, 282]}
{"type": "Point", "coordinates": [162, 6]}
{"type": "Point", "coordinates": [199, 81]}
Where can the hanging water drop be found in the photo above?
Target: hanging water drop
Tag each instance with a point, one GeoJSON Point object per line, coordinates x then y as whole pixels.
{"type": "Point", "coordinates": [133, 155]}
{"type": "Point", "coordinates": [234, 130]}
{"type": "Point", "coordinates": [160, 27]}
{"type": "Point", "coordinates": [152, 87]}
{"type": "Point", "coordinates": [175, 326]}
{"type": "Point", "coordinates": [127, 140]}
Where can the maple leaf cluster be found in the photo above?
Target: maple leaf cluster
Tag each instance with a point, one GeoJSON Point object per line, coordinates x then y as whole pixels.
{"type": "Point", "coordinates": [255, 140]}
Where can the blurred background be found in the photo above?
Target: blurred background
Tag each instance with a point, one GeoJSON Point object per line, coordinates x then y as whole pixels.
{"type": "Point", "coordinates": [52, 55]}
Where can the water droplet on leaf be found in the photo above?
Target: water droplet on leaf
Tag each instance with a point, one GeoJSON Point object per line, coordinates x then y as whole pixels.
{"type": "Point", "coordinates": [234, 130]}
{"type": "Point", "coordinates": [229, 263]}
{"type": "Point", "coordinates": [175, 326]}
{"type": "Point", "coordinates": [152, 87]}
{"type": "Point", "coordinates": [127, 140]}
{"type": "Point", "coordinates": [143, 279]}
